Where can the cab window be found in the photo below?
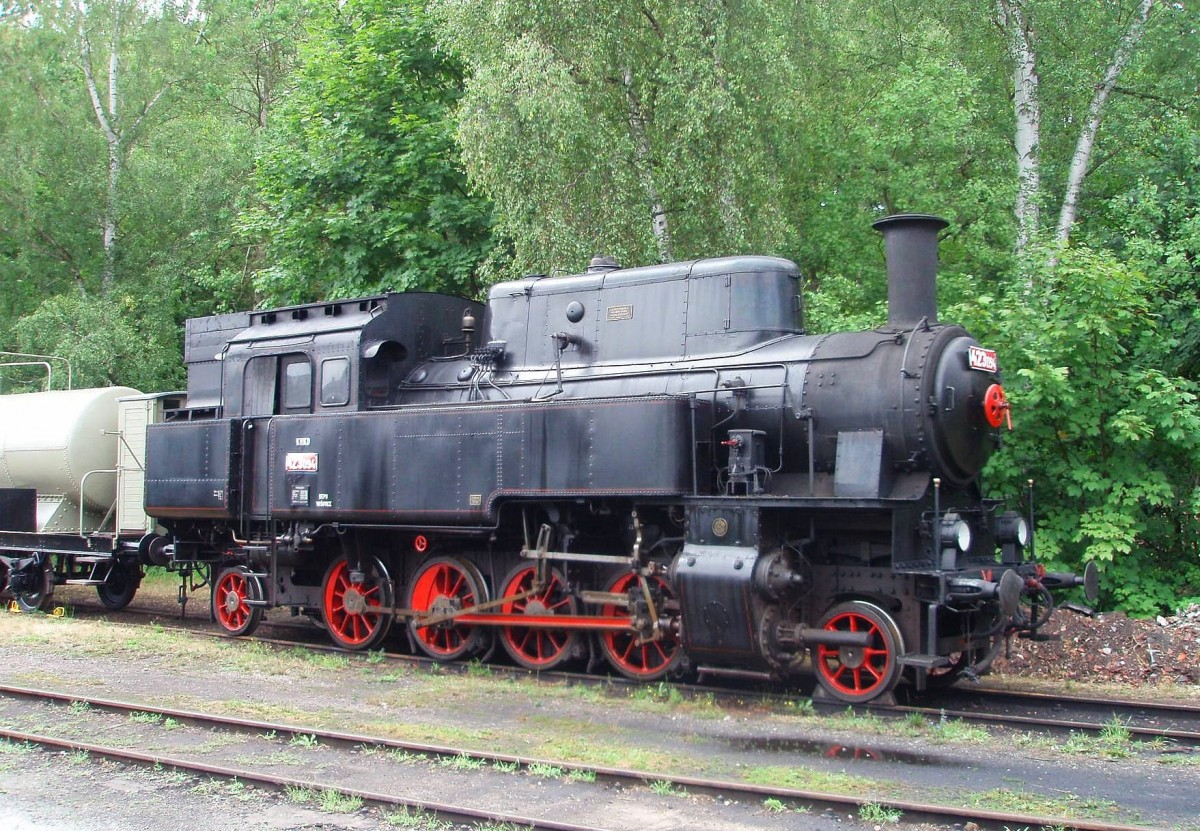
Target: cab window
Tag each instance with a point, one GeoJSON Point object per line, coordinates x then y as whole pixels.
{"type": "Point", "coordinates": [297, 384]}
{"type": "Point", "coordinates": [335, 382]}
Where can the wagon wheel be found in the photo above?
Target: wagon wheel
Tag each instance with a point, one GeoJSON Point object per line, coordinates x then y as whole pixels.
{"type": "Point", "coordinates": [857, 674]}
{"type": "Point", "coordinates": [120, 587]}
{"type": "Point", "coordinates": [231, 591]}
{"type": "Point", "coordinates": [37, 599]}
{"type": "Point", "coordinates": [534, 647]}
{"type": "Point", "coordinates": [975, 661]}
{"type": "Point", "coordinates": [646, 661]}
{"type": "Point", "coordinates": [357, 613]}
{"type": "Point", "coordinates": [442, 586]}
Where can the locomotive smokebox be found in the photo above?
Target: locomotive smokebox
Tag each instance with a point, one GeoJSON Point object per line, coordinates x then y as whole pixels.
{"type": "Point", "coordinates": [911, 245]}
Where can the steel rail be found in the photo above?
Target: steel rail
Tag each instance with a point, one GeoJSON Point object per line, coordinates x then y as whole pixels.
{"type": "Point", "coordinates": [1135, 716]}
{"type": "Point", "coordinates": [443, 809]}
{"type": "Point", "coordinates": [716, 787]}
{"type": "Point", "coordinates": [1191, 737]}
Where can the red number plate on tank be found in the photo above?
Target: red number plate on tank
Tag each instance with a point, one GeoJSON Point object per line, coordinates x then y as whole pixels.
{"type": "Point", "coordinates": [984, 359]}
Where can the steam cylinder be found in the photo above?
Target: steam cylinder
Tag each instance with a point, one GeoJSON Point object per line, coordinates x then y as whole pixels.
{"type": "Point", "coordinates": [50, 440]}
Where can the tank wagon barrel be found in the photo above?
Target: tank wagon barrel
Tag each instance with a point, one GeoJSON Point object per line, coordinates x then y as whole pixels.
{"type": "Point", "coordinates": [71, 480]}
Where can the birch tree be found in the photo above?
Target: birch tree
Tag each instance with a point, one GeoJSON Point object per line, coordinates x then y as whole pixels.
{"type": "Point", "coordinates": [646, 130]}
{"type": "Point", "coordinates": [1018, 19]}
{"type": "Point", "coordinates": [125, 107]}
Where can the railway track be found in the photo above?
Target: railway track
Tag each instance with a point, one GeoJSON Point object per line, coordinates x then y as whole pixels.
{"type": "Point", "coordinates": [1169, 725]}
{"type": "Point", "coordinates": [585, 776]}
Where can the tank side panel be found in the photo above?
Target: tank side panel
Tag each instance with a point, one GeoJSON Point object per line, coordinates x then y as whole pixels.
{"type": "Point", "coordinates": [455, 465]}
{"type": "Point", "coordinates": [188, 471]}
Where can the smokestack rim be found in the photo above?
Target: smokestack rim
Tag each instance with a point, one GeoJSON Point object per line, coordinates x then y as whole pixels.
{"type": "Point", "coordinates": [936, 223]}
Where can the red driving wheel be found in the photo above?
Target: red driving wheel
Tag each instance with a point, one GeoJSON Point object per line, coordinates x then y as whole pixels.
{"type": "Point", "coordinates": [358, 613]}
{"type": "Point", "coordinates": [233, 614]}
{"type": "Point", "coordinates": [641, 661]}
{"type": "Point", "coordinates": [441, 587]}
{"type": "Point", "coordinates": [536, 647]}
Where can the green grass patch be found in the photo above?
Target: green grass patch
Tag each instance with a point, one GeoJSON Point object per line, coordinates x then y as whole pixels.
{"type": "Point", "coordinates": [335, 802]}
{"type": "Point", "coordinates": [138, 717]}
{"type": "Point", "coordinates": [544, 770]}
{"type": "Point", "coordinates": [874, 813]}
{"type": "Point", "coordinates": [1068, 807]}
{"type": "Point", "coordinates": [663, 787]}
{"type": "Point", "coordinates": [801, 778]}
{"type": "Point", "coordinates": [415, 819]}
{"type": "Point", "coordinates": [461, 762]}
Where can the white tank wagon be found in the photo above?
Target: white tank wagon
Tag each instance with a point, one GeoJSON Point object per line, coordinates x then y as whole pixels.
{"type": "Point", "coordinates": [72, 478]}
{"type": "Point", "coordinates": [64, 445]}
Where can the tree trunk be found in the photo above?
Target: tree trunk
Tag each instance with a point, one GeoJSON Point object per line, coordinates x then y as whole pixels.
{"type": "Point", "coordinates": [643, 160]}
{"type": "Point", "coordinates": [1028, 116]}
{"type": "Point", "coordinates": [1087, 136]}
{"type": "Point", "coordinates": [106, 119]}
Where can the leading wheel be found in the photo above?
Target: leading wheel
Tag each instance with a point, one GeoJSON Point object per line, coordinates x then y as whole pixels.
{"type": "Point", "coordinates": [442, 587]}
{"type": "Point", "coordinates": [357, 607]}
{"type": "Point", "coordinates": [647, 661]}
{"type": "Point", "coordinates": [857, 673]}
{"type": "Point", "coordinates": [120, 587]}
{"type": "Point", "coordinates": [536, 647]}
{"type": "Point", "coordinates": [235, 586]}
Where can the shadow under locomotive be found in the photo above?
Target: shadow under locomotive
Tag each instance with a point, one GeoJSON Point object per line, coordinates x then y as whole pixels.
{"type": "Point", "coordinates": [653, 464]}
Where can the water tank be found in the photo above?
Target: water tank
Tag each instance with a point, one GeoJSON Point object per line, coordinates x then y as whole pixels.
{"type": "Point", "coordinates": [50, 440]}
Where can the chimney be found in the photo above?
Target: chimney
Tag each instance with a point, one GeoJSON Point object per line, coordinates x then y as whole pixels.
{"type": "Point", "coordinates": [911, 245]}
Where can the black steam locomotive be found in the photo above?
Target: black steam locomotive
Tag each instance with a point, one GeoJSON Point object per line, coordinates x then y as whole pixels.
{"type": "Point", "coordinates": [654, 466]}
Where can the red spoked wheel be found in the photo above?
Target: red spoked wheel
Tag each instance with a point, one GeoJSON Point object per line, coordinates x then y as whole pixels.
{"type": "Point", "coordinates": [996, 407]}
{"type": "Point", "coordinates": [647, 661]}
{"type": "Point", "coordinates": [854, 673]}
{"type": "Point", "coordinates": [231, 591]}
{"type": "Point", "coordinates": [441, 587]}
{"type": "Point", "coordinates": [357, 612]}
{"type": "Point", "coordinates": [536, 647]}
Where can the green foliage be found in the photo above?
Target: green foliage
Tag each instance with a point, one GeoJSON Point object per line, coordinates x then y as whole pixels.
{"type": "Point", "coordinates": [1112, 440]}
{"type": "Point", "coordinates": [588, 122]}
{"type": "Point", "coordinates": [118, 342]}
{"type": "Point", "coordinates": [359, 184]}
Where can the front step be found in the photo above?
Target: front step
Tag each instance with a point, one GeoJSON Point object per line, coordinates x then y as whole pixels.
{"type": "Point", "coordinates": [921, 661]}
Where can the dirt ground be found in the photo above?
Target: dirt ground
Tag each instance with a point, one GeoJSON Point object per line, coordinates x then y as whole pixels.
{"type": "Point", "coordinates": [1111, 649]}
